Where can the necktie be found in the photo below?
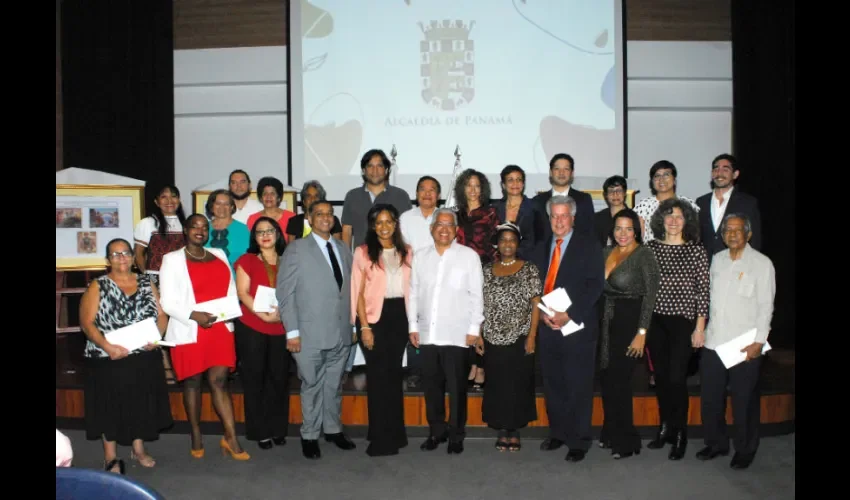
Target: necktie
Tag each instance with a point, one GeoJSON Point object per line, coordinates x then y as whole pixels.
{"type": "Point", "coordinates": [335, 265]}
{"type": "Point", "coordinates": [553, 267]}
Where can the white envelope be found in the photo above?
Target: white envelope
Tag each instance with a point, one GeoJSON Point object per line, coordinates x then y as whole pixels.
{"type": "Point", "coordinates": [265, 300]}
{"type": "Point", "coordinates": [559, 298]}
{"type": "Point", "coordinates": [135, 336]}
{"type": "Point", "coordinates": [730, 352]}
{"type": "Point", "coordinates": [225, 308]}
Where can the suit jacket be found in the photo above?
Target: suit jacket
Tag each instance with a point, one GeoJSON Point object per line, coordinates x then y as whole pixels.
{"type": "Point", "coordinates": [307, 294]}
{"type": "Point", "coordinates": [739, 202]}
{"type": "Point", "coordinates": [376, 284]}
{"type": "Point", "coordinates": [177, 296]}
{"type": "Point", "coordinates": [532, 224]}
{"type": "Point", "coordinates": [584, 211]}
{"type": "Point", "coordinates": [582, 275]}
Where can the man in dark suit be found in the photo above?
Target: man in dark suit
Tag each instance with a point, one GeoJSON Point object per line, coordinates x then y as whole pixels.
{"type": "Point", "coordinates": [561, 168]}
{"type": "Point", "coordinates": [314, 300]}
{"type": "Point", "coordinates": [725, 198]}
{"type": "Point", "coordinates": [572, 260]}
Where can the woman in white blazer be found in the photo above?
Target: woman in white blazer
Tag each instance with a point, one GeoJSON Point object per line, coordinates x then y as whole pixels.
{"type": "Point", "coordinates": [190, 276]}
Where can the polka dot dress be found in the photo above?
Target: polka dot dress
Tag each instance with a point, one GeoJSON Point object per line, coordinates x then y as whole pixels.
{"type": "Point", "coordinates": [647, 206]}
{"type": "Point", "coordinates": [684, 279]}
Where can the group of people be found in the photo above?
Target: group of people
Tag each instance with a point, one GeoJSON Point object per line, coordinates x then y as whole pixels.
{"type": "Point", "coordinates": [457, 289]}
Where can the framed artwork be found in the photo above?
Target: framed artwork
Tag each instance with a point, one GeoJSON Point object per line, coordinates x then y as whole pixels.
{"type": "Point", "coordinates": [88, 216]}
{"type": "Point", "coordinates": [199, 201]}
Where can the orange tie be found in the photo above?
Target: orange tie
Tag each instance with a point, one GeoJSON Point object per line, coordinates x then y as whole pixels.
{"type": "Point", "coordinates": [553, 267]}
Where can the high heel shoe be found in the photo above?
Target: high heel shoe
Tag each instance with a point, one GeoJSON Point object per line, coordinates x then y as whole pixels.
{"type": "Point", "coordinates": [197, 453]}
{"type": "Point", "coordinates": [225, 449]}
{"type": "Point", "coordinates": [108, 466]}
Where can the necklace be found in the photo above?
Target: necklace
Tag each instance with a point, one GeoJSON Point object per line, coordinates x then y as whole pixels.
{"type": "Point", "coordinates": [507, 263]}
{"type": "Point", "coordinates": [186, 249]}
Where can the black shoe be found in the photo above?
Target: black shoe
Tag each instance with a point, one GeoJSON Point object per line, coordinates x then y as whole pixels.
{"type": "Point", "coordinates": [680, 444]}
{"type": "Point", "coordinates": [112, 463]}
{"type": "Point", "coordinates": [310, 448]}
{"type": "Point", "coordinates": [432, 442]}
{"type": "Point", "coordinates": [373, 451]}
{"type": "Point", "coordinates": [341, 441]}
{"type": "Point", "coordinates": [575, 455]}
{"type": "Point", "coordinates": [455, 447]}
{"type": "Point", "coordinates": [280, 441]}
{"type": "Point", "coordinates": [265, 444]}
{"type": "Point", "coordinates": [663, 437]}
{"type": "Point", "coordinates": [551, 443]}
{"type": "Point", "coordinates": [742, 460]}
{"type": "Point", "coordinates": [709, 453]}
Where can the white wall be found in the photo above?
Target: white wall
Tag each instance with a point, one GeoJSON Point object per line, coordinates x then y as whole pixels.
{"type": "Point", "coordinates": [230, 112]}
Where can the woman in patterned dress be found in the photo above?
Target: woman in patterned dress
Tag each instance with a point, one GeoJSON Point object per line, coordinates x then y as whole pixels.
{"type": "Point", "coordinates": [204, 346]}
{"type": "Point", "coordinates": [512, 289]}
{"type": "Point", "coordinates": [126, 399]}
{"type": "Point", "coordinates": [160, 233]}
{"type": "Point", "coordinates": [678, 321]}
{"type": "Point", "coordinates": [477, 221]}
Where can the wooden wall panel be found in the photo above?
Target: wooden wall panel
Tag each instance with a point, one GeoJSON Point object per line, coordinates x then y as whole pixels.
{"type": "Point", "coordinates": [775, 408]}
{"type": "Point", "coordinates": [207, 24]}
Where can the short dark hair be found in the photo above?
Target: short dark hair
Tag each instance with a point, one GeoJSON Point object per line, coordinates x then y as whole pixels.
{"type": "Point", "coordinates": [726, 156]}
{"type": "Point", "coordinates": [279, 244]}
{"type": "Point", "coordinates": [118, 240]}
{"type": "Point", "coordinates": [239, 171]}
{"type": "Point", "coordinates": [690, 232]}
{"type": "Point", "coordinates": [188, 220]}
{"type": "Point", "coordinates": [274, 183]}
{"type": "Point", "coordinates": [208, 206]}
{"type": "Point", "coordinates": [506, 172]}
{"type": "Point", "coordinates": [614, 181]}
{"type": "Point", "coordinates": [429, 178]}
{"type": "Point", "coordinates": [364, 161]}
{"type": "Point", "coordinates": [562, 156]}
{"type": "Point", "coordinates": [627, 213]}
{"type": "Point", "coordinates": [318, 202]}
{"type": "Point", "coordinates": [661, 165]}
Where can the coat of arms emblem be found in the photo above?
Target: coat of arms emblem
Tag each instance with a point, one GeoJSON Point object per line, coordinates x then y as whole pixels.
{"type": "Point", "coordinates": [447, 64]}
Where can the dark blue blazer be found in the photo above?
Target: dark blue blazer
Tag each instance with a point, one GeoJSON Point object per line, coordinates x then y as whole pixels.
{"type": "Point", "coordinates": [582, 274]}
{"type": "Point", "coordinates": [739, 202]}
{"type": "Point", "coordinates": [530, 222]}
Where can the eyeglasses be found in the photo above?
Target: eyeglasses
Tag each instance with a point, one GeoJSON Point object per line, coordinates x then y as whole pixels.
{"type": "Point", "coordinates": [116, 255]}
{"type": "Point", "coordinates": [658, 177]}
{"type": "Point", "coordinates": [270, 232]}
{"type": "Point", "coordinates": [615, 191]}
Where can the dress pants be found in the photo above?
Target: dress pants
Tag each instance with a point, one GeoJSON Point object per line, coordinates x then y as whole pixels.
{"type": "Point", "coordinates": [264, 368]}
{"type": "Point", "coordinates": [746, 402]}
{"type": "Point", "coordinates": [445, 368]}
{"type": "Point", "coordinates": [669, 339]}
{"type": "Point", "coordinates": [618, 428]}
{"type": "Point", "coordinates": [320, 371]}
{"type": "Point", "coordinates": [384, 378]}
{"type": "Point", "coordinates": [567, 365]}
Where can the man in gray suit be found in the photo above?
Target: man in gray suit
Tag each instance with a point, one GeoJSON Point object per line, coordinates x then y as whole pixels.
{"type": "Point", "coordinates": [313, 294]}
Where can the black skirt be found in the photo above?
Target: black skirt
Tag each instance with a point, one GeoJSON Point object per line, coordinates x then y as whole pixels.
{"type": "Point", "coordinates": [509, 399]}
{"type": "Point", "coordinates": [126, 399]}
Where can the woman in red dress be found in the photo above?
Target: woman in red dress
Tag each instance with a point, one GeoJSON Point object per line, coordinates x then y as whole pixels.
{"type": "Point", "coordinates": [189, 277]}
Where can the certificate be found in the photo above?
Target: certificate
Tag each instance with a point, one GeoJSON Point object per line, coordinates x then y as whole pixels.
{"type": "Point", "coordinates": [558, 300]}
{"type": "Point", "coordinates": [225, 308]}
{"type": "Point", "coordinates": [265, 300]}
{"type": "Point", "coordinates": [135, 336]}
{"type": "Point", "coordinates": [730, 352]}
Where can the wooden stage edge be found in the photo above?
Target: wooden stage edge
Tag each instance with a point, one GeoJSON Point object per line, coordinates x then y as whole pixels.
{"type": "Point", "coordinates": [777, 414]}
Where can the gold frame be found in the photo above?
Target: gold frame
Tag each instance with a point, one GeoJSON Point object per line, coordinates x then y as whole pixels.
{"type": "Point", "coordinates": [98, 263]}
{"type": "Point", "coordinates": [199, 199]}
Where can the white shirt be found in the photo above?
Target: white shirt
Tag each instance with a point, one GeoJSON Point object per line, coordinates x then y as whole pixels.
{"type": "Point", "coordinates": [742, 293]}
{"type": "Point", "coordinates": [251, 207]}
{"type": "Point", "coordinates": [446, 301]}
{"type": "Point", "coordinates": [416, 228]}
{"type": "Point", "coordinates": [718, 208]}
{"type": "Point", "coordinates": [146, 227]}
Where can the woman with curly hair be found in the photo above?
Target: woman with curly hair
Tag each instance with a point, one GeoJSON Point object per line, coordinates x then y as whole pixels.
{"type": "Point", "coordinates": [678, 319]}
{"type": "Point", "coordinates": [477, 221]}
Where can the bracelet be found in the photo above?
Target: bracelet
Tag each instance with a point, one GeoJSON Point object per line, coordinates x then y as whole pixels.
{"type": "Point", "coordinates": [365, 328]}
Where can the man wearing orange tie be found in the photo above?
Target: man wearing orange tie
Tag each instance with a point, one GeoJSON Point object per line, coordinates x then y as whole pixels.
{"type": "Point", "coordinates": [573, 261]}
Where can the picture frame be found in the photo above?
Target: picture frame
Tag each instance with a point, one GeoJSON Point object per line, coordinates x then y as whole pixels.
{"type": "Point", "coordinates": [88, 216]}
{"type": "Point", "coordinates": [199, 200]}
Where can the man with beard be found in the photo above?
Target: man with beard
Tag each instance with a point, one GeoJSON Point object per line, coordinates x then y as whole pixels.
{"type": "Point", "coordinates": [240, 190]}
{"type": "Point", "coordinates": [375, 169]}
{"type": "Point", "coordinates": [725, 198]}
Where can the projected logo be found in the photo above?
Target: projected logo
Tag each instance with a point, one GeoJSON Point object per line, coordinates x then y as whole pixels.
{"type": "Point", "coordinates": [447, 58]}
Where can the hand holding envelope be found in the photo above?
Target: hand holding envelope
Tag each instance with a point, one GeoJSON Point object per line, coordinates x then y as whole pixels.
{"type": "Point", "coordinates": [734, 352]}
{"type": "Point", "coordinates": [222, 309]}
{"type": "Point", "coordinates": [558, 301]}
{"type": "Point", "coordinates": [265, 300]}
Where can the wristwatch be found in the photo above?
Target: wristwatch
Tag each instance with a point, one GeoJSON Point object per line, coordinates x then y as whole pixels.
{"type": "Point", "coordinates": [641, 331]}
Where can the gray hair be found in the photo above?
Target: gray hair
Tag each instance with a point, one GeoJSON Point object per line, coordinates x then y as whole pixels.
{"type": "Point", "coordinates": [747, 226]}
{"type": "Point", "coordinates": [561, 200]}
{"type": "Point", "coordinates": [443, 210]}
{"type": "Point", "coordinates": [317, 186]}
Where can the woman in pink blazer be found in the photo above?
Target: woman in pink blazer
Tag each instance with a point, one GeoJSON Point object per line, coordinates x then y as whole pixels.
{"type": "Point", "coordinates": [380, 285]}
